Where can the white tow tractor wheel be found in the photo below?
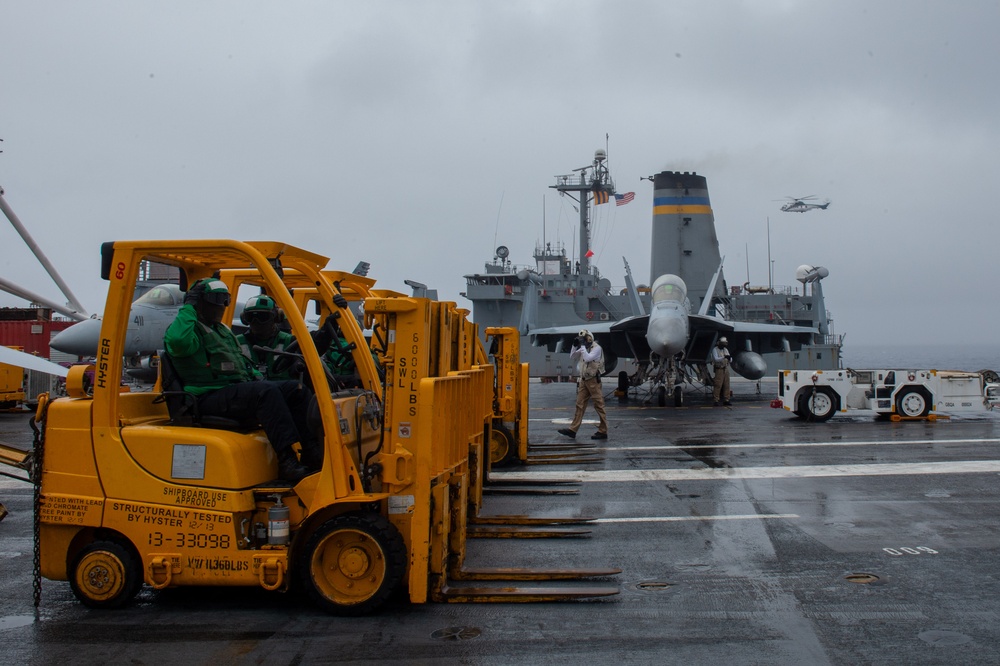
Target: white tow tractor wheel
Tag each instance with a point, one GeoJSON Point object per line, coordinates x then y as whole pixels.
{"type": "Point", "coordinates": [817, 405]}
{"type": "Point", "coordinates": [913, 402]}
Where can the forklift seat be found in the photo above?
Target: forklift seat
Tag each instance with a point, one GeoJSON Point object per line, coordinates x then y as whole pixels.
{"type": "Point", "coordinates": [183, 406]}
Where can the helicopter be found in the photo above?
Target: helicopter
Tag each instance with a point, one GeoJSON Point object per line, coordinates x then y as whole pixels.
{"type": "Point", "coordinates": [802, 205]}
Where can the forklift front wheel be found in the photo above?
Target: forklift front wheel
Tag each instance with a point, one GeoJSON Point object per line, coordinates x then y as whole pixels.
{"type": "Point", "coordinates": [502, 450]}
{"type": "Point", "coordinates": [353, 563]}
{"type": "Point", "coordinates": [105, 575]}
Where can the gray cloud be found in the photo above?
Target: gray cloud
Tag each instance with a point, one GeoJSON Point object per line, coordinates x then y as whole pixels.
{"type": "Point", "coordinates": [391, 131]}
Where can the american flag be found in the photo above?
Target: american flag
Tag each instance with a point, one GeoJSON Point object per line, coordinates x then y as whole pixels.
{"type": "Point", "coordinates": [622, 199]}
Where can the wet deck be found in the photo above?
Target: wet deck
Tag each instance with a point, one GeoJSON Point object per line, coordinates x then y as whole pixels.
{"type": "Point", "coordinates": [743, 535]}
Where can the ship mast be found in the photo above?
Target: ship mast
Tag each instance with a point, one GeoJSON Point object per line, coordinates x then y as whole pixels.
{"type": "Point", "coordinates": [590, 182]}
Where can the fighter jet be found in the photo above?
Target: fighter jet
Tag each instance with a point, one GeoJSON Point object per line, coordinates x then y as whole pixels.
{"type": "Point", "coordinates": [149, 318]}
{"type": "Point", "coordinates": [671, 345]}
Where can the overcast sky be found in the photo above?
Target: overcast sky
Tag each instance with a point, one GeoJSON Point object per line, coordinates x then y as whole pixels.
{"type": "Point", "coordinates": [418, 136]}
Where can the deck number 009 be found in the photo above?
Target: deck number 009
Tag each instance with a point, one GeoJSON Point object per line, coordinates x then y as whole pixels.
{"type": "Point", "coordinates": [906, 550]}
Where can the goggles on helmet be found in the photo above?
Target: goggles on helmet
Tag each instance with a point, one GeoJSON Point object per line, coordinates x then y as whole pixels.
{"type": "Point", "coordinates": [260, 317]}
{"type": "Point", "coordinates": [220, 298]}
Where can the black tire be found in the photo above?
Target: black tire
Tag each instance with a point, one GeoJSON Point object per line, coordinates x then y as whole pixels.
{"type": "Point", "coordinates": [913, 401]}
{"type": "Point", "coordinates": [503, 451]}
{"type": "Point", "coordinates": [105, 574]}
{"type": "Point", "coordinates": [353, 563]}
{"type": "Point", "coordinates": [623, 383]}
{"type": "Point", "coordinates": [678, 396]}
{"type": "Point", "coordinates": [817, 405]}
{"type": "Point", "coordinates": [661, 396]}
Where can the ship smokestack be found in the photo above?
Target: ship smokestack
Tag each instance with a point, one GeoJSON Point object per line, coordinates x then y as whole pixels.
{"type": "Point", "coordinates": [684, 241]}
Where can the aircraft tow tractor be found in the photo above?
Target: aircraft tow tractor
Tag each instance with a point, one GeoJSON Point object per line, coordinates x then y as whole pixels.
{"type": "Point", "coordinates": [816, 395]}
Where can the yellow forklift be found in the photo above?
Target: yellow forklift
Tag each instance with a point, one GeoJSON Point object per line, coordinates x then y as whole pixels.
{"type": "Point", "coordinates": [128, 493]}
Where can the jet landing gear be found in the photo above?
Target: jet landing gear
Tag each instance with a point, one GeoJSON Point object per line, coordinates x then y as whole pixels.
{"type": "Point", "coordinates": [660, 394]}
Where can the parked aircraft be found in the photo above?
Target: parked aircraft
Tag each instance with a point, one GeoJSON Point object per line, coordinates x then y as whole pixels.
{"type": "Point", "coordinates": [671, 345]}
{"type": "Point", "coordinates": [802, 205]}
{"type": "Point", "coordinates": [148, 320]}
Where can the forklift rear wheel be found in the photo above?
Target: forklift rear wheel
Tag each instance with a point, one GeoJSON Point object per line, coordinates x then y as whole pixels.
{"type": "Point", "coordinates": [105, 575]}
{"type": "Point", "coordinates": [353, 563]}
{"type": "Point", "coordinates": [502, 449]}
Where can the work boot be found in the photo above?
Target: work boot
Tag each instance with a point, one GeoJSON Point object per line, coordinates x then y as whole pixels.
{"type": "Point", "coordinates": [290, 469]}
{"type": "Point", "coordinates": [599, 435]}
{"type": "Point", "coordinates": [312, 457]}
{"type": "Point", "coordinates": [727, 404]}
{"type": "Point", "coordinates": [569, 433]}
{"type": "Point", "coordinates": [715, 404]}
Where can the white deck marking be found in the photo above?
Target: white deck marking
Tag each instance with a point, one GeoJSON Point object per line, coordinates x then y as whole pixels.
{"type": "Point", "coordinates": [678, 519]}
{"type": "Point", "coordinates": [784, 472]}
{"type": "Point", "coordinates": [778, 445]}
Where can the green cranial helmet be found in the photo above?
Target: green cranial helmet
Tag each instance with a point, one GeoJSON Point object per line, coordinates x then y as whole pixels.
{"type": "Point", "coordinates": [260, 308]}
{"type": "Point", "coordinates": [215, 291]}
{"type": "Point", "coordinates": [261, 303]}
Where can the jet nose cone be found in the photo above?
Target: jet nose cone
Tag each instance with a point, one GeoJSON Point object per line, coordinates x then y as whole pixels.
{"type": "Point", "coordinates": [667, 334]}
{"type": "Point", "coordinates": [80, 338]}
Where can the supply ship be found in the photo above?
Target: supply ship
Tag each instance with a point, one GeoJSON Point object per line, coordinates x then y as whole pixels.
{"type": "Point", "coordinates": [559, 290]}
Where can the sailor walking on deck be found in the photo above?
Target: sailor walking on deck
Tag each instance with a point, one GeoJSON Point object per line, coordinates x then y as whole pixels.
{"type": "Point", "coordinates": [720, 363]}
{"type": "Point", "coordinates": [590, 358]}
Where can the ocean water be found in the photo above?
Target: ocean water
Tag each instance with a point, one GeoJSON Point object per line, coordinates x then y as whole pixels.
{"type": "Point", "coordinates": [930, 357]}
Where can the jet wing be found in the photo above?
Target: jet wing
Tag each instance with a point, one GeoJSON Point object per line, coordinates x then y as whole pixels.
{"type": "Point", "coordinates": [744, 336]}
{"type": "Point", "coordinates": [625, 338]}
{"type": "Point", "coordinates": [700, 322]}
{"type": "Point", "coordinates": [560, 338]}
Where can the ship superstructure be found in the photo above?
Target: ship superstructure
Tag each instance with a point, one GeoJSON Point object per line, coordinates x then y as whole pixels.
{"type": "Point", "coordinates": [560, 291]}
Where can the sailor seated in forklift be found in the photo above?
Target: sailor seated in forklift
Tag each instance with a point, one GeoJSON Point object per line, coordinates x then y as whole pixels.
{"type": "Point", "coordinates": [339, 360]}
{"type": "Point", "coordinates": [263, 316]}
{"type": "Point", "coordinates": [275, 353]}
{"type": "Point", "coordinates": [225, 383]}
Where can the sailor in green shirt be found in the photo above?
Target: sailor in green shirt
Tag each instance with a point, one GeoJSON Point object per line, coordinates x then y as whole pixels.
{"type": "Point", "coordinates": [212, 368]}
{"type": "Point", "coordinates": [262, 315]}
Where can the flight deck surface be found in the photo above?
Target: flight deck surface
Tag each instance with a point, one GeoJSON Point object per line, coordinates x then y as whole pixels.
{"type": "Point", "coordinates": [744, 535]}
